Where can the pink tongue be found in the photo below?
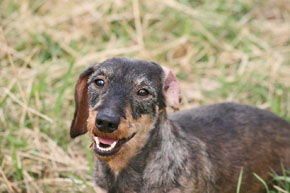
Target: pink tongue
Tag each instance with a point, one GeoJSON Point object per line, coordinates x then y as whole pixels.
{"type": "Point", "coordinates": [106, 140]}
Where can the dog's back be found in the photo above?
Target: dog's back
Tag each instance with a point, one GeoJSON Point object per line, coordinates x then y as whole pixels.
{"type": "Point", "coordinates": [239, 136]}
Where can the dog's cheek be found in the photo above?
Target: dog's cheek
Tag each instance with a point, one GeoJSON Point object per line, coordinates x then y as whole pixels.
{"type": "Point", "coordinates": [144, 107]}
{"type": "Point", "coordinates": [142, 127]}
{"type": "Point", "coordinates": [93, 95]}
{"type": "Point", "coordinates": [91, 121]}
{"type": "Point", "coordinates": [127, 126]}
{"type": "Point", "coordinates": [144, 123]}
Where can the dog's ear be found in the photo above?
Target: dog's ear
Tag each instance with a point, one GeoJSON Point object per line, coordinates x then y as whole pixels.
{"type": "Point", "coordinates": [171, 89]}
{"type": "Point", "coordinates": [79, 122]}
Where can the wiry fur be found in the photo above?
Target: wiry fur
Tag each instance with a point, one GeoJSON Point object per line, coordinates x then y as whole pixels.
{"type": "Point", "coordinates": [164, 165]}
{"type": "Point", "coordinates": [195, 151]}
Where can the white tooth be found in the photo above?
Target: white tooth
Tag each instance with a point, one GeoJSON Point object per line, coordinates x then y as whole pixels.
{"type": "Point", "coordinates": [97, 140]}
{"type": "Point", "coordinates": [113, 144]}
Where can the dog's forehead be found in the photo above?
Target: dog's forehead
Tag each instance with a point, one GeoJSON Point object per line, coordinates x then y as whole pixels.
{"type": "Point", "coordinates": [132, 69]}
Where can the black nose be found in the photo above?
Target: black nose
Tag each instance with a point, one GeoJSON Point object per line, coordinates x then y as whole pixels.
{"type": "Point", "coordinates": [107, 122]}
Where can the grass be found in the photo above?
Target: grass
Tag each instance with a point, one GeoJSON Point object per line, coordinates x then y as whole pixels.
{"type": "Point", "coordinates": [221, 50]}
{"type": "Point", "coordinates": [240, 181]}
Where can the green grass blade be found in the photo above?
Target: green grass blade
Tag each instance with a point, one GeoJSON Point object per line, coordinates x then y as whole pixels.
{"type": "Point", "coordinates": [240, 181]}
{"type": "Point", "coordinates": [263, 182]}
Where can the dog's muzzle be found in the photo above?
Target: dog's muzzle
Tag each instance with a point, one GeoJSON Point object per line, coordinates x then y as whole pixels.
{"type": "Point", "coordinates": [107, 121]}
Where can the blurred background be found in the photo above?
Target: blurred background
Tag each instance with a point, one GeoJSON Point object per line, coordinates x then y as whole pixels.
{"type": "Point", "coordinates": [221, 50]}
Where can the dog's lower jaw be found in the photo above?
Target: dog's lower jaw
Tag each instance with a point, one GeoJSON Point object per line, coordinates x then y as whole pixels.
{"type": "Point", "coordinates": [160, 165]}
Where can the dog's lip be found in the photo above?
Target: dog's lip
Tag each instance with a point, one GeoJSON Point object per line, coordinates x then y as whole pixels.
{"type": "Point", "coordinates": [114, 145]}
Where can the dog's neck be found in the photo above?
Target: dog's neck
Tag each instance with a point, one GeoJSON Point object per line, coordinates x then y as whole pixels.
{"type": "Point", "coordinates": [165, 148]}
{"type": "Point", "coordinates": [170, 152]}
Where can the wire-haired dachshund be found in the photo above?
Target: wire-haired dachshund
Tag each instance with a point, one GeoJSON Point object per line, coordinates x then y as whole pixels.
{"type": "Point", "coordinates": [143, 149]}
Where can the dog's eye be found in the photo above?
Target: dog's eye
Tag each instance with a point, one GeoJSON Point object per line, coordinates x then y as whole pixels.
{"type": "Point", "coordinates": [100, 82]}
{"type": "Point", "coordinates": [143, 92]}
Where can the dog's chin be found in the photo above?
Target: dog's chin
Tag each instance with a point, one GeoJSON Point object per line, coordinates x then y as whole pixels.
{"type": "Point", "coordinates": [106, 147]}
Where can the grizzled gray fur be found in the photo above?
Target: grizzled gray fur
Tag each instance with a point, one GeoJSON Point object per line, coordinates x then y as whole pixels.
{"type": "Point", "coordinates": [141, 149]}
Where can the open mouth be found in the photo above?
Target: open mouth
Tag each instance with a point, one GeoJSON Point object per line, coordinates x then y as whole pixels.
{"type": "Point", "coordinates": [105, 146]}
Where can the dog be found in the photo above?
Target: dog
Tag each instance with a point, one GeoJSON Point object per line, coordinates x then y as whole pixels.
{"type": "Point", "coordinates": [140, 148]}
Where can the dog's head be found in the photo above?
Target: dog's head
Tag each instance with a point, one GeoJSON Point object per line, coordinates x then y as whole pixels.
{"type": "Point", "coordinates": [119, 101]}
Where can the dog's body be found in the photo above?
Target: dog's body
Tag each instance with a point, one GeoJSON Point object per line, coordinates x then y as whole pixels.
{"type": "Point", "coordinates": [122, 102]}
{"type": "Point", "coordinates": [239, 136]}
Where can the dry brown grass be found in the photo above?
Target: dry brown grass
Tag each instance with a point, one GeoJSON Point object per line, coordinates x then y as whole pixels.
{"type": "Point", "coordinates": [229, 50]}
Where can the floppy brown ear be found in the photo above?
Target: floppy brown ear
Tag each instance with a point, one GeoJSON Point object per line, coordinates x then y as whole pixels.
{"type": "Point", "coordinates": [171, 89]}
{"type": "Point", "coordinates": [79, 122]}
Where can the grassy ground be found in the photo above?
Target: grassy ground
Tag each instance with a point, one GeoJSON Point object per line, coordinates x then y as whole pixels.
{"type": "Point", "coordinates": [222, 50]}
